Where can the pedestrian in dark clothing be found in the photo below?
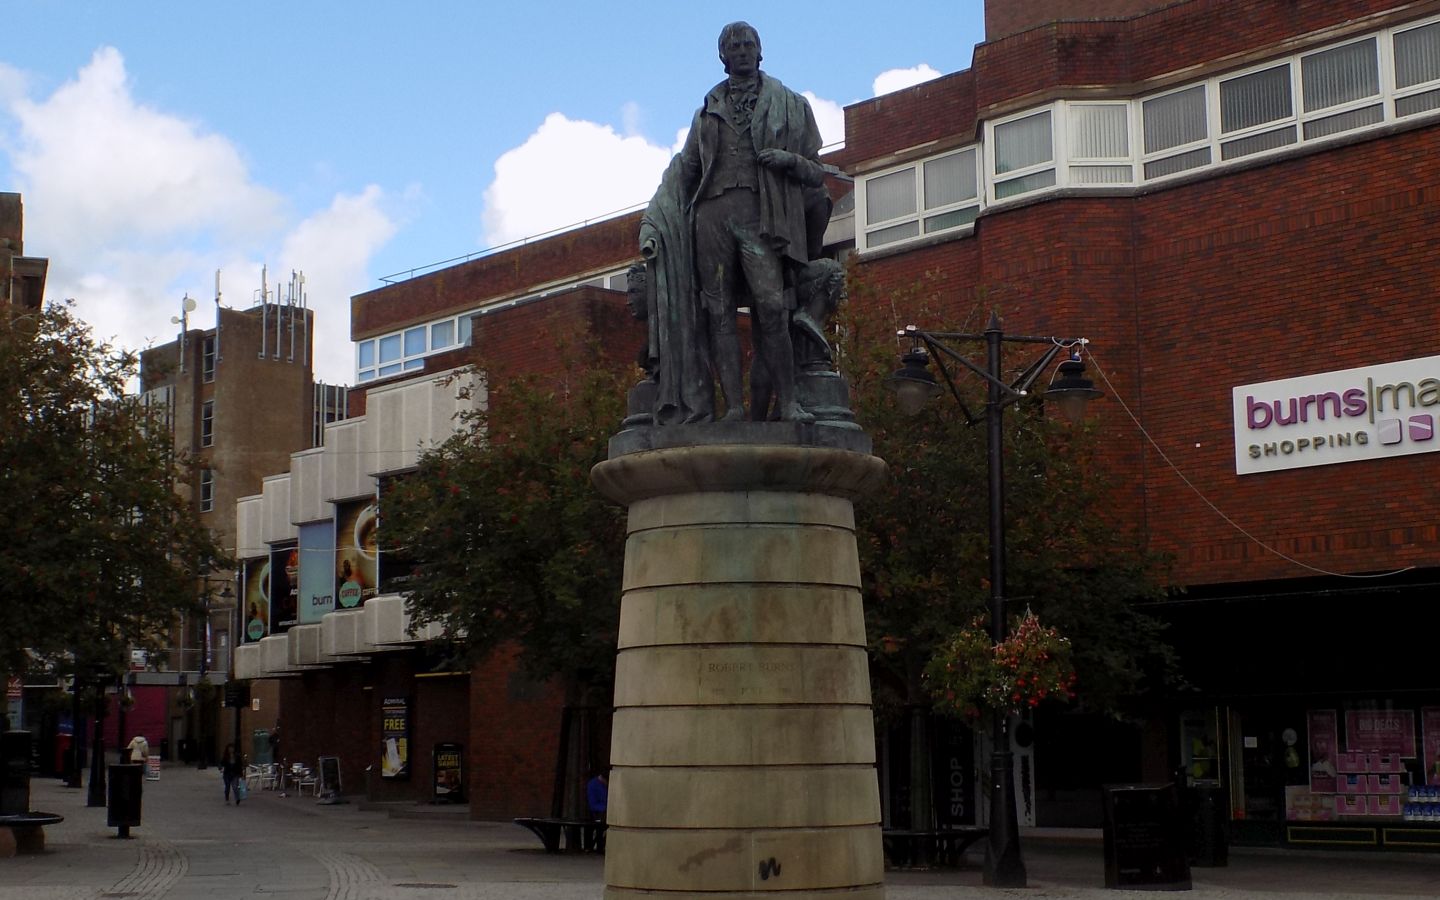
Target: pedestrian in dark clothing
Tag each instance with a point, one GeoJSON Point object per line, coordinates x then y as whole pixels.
{"type": "Point", "coordinates": [230, 771]}
{"type": "Point", "coordinates": [597, 797]}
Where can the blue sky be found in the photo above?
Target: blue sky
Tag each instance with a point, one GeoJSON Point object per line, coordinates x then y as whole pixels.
{"type": "Point", "coordinates": [158, 142]}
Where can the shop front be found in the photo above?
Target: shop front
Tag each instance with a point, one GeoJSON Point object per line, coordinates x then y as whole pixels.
{"type": "Point", "coordinates": [1321, 726]}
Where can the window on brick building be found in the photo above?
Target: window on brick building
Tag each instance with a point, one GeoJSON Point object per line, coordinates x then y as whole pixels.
{"type": "Point", "coordinates": [1100, 143]}
{"type": "Point", "coordinates": [1176, 132]}
{"type": "Point", "coordinates": [207, 359]}
{"type": "Point", "coordinates": [1023, 155]}
{"type": "Point", "coordinates": [405, 350]}
{"type": "Point", "coordinates": [207, 490]}
{"type": "Point", "coordinates": [1417, 70]}
{"type": "Point", "coordinates": [1340, 88]}
{"type": "Point", "coordinates": [207, 423]}
{"type": "Point", "coordinates": [1257, 112]}
{"type": "Point", "coordinates": [927, 197]}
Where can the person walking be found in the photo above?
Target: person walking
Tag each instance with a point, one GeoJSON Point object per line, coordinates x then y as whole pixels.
{"type": "Point", "coordinates": [138, 750]}
{"type": "Point", "coordinates": [597, 798]}
{"type": "Point", "coordinates": [231, 772]}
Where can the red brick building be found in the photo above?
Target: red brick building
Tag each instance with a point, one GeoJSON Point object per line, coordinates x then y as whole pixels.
{"type": "Point", "coordinates": [1237, 202]}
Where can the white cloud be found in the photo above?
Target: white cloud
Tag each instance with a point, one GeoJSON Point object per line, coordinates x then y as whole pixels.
{"type": "Point", "coordinates": [830, 116]}
{"type": "Point", "coordinates": [571, 170]}
{"type": "Point", "coordinates": [893, 80]}
{"type": "Point", "coordinates": [136, 207]}
{"type": "Point", "coordinates": [333, 248]}
{"type": "Point", "coordinates": [100, 169]}
{"type": "Point", "coordinates": [567, 171]}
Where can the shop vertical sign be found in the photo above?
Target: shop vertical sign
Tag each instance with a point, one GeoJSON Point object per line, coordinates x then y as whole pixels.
{"type": "Point", "coordinates": [395, 737]}
{"type": "Point", "coordinates": [355, 553]}
{"type": "Point", "coordinates": [1430, 739]}
{"type": "Point", "coordinates": [284, 582]}
{"type": "Point", "coordinates": [255, 588]}
{"type": "Point", "coordinates": [1324, 750]}
{"type": "Point", "coordinates": [449, 772]}
{"type": "Point", "coordinates": [317, 562]}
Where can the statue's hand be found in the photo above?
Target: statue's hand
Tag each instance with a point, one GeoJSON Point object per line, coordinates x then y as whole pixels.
{"type": "Point", "coordinates": [775, 158]}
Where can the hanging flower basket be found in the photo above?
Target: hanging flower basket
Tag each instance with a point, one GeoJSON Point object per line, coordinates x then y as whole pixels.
{"type": "Point", "coordinates": [969, 675]}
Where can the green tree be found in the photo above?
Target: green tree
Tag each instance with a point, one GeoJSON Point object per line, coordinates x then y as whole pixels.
{"type": "Point", "coordinates": [511, 541]}
{"type": "Point", "coordinates": [924, 540]}
{"type": "Point", "coordinates": [101, 553]}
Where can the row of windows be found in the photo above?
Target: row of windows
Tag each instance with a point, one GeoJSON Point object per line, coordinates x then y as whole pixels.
{"type": "Point", "coordinates": [405, 350]}
{"type": "Point", "coordinates": [1366, 81]}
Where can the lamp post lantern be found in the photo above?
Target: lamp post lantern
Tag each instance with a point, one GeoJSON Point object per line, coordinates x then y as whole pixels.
{"type": "Point", "coordinates": [914, 385]}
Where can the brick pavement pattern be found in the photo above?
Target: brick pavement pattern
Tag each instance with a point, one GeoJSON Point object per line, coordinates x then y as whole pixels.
{"type": "Point", "coordinates": [193, 846]}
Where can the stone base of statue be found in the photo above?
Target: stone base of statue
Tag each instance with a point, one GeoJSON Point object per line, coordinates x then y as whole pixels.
{"type": "Point", "coordinates": [743, 755]}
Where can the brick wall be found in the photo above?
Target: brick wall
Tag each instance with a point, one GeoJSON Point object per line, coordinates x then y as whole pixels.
{"type": "Point", "coordinates": [1033, 65]}
{"type": "Point", "coordinates": [1312, 264]}
{"type": "Point", "coordinates": [514, 740]}
{"type": "Point", "coordinates": [1006, 17]}
{"type": "Point", "coordinates": [608, 244]}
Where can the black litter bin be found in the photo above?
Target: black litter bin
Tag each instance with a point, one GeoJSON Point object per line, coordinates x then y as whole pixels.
{"type": "Point", "coordinates": [1146, 838]}
{"type": "Point", "coordinates": [1209, 841]}
{"type": "Point", "coordinates": [14, 773]}
{"type": "Point", "coordinates": [126, 784]}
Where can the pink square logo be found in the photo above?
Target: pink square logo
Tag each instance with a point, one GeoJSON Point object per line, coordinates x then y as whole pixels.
{"type": "Point", "coordinates": [1422, 428]}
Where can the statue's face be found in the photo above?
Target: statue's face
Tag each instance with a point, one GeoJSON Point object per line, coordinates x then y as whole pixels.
{"type": "Point", "coordinates": [635, 297]}
{"type": "Point", "coordinates": [742, 53]}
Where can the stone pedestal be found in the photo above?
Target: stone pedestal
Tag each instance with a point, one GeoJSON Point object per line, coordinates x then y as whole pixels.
{"type": "Point", "coordinates": [743, 756]}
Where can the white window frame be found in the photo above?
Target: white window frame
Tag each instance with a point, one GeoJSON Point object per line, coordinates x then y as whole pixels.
{"type": "Point", "coordinates": [1056, 161]}
{"type": "Point", "coordinates": [1070, 163]}
{"type": "Point", "coordinates": [1291, 121]}
{"type": "Point", "coordinates": [1207, 142]}
{"type": "Point", "coordinates": [863, 229]}
{"type": "Point", "coordinates": [1377, 99]}
{"type": "Point", "coordinates": [460, 331]}
{"type": "Point", "coordinates": [207, 423]}
{"type": "Point", "coordinates": [207, 490]}
{"type": "Point", "coordinates": [1387, 74]}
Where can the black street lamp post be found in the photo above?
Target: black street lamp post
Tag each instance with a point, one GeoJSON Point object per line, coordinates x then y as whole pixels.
{"type": "Point", "coordinates": [204, 697]}
{"type": "Point", "coordinates": [914, 385]}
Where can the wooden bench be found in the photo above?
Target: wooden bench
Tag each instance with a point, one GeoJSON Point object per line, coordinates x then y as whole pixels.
{"type": "Point", "coordinates": [940, 847]}
{"type": "Point", "coordinates": [24, 833]}
{"type": "Point", "coordinates": [566, 835]}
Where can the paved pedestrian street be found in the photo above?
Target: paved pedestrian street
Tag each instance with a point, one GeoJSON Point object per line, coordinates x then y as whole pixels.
{"type": "Point", "coordinates": [193, 846]}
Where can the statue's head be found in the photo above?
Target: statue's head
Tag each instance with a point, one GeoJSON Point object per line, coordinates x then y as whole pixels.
{"type": "Point", "coordinates": [635, 291]}
{"type": "Point", "coordinates": [735, 40]}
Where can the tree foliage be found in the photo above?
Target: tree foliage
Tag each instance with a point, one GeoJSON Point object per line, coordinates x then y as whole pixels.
{"type": "Point", "coordinates": [100, 552]}
{"type": "Point", "coordinates": [512, 542]}
{"type": "Point", "coordinates": [924, 540]}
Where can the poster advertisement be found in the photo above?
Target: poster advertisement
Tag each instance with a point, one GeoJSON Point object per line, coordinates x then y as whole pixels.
{"type": "Point", "coordinates": [255, 589]}
{"type": "Point", "coordinates": [355, 553]}
{"type": "Point", "coordinates": [1380, 731]}
{"type": "Point", "coordinates": [284, 598]}
{"type": "Point", "coordinates": [1430, 725]}
{"type": "Point", "coordinates": [1324, 747]}
{"type": "Point", "coordinates": [449, 773]}
{"type": "Point", "coordinates": [395, 737]}
{"type": "Point", "coordinates": [317, 562]}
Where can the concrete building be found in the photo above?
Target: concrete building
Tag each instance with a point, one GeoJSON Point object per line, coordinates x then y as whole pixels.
{"type": "Point", "coordinates": [238, 399]}
{"type": "Point", "coordinates": [385, 703]}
